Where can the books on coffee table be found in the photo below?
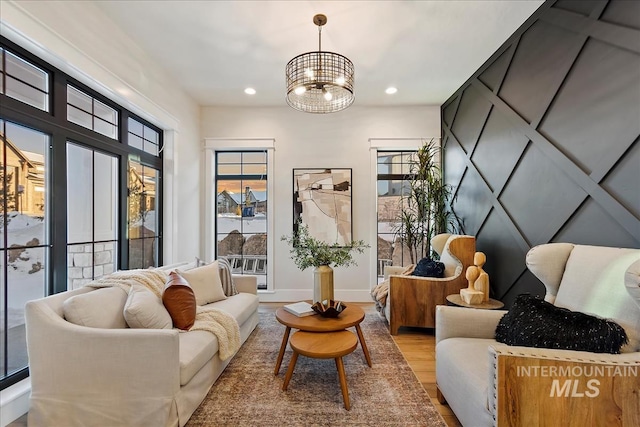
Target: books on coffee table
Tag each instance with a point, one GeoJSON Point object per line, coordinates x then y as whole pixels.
{"type": "Point", "coordinates": [300, 309]}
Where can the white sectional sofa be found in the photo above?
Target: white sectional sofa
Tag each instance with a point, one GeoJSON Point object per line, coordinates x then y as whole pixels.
{"type": "Point", "coordinates": [119, 376]}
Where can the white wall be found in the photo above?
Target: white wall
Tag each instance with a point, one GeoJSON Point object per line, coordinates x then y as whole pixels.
{"type": "Point", "coordinates": [79, 39]}
{"type": "Point", "coordinates": [338, 140]}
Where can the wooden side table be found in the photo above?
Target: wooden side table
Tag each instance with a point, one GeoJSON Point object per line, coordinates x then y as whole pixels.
{"type": "Point", "coordinates": [492, 304]}
{"type": "Point", "coordinates": [323, 345]}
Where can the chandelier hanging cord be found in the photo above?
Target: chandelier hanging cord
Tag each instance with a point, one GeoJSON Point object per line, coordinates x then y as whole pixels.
{"type": "Point", "coordinates": [320, 20]}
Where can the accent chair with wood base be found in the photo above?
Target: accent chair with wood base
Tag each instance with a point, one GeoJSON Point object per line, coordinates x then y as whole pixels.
{"type": "Point", "coordinates": [412, 300]}
{"type": "Point", "coordinates": [489, 383]}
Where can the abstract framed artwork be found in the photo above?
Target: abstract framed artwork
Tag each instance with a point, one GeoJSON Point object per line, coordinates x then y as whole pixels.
{"type": "Point", "coordinates": [322, 202]}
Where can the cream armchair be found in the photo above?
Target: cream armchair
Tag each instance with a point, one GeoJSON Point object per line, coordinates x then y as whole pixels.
{"type": "Point", "coordinates": [487, 383]}
{"type": "Point", "coordinates": [412, 300]}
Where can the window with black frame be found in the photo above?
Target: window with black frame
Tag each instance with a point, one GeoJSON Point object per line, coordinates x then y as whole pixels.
{"type": "Point", "coordinates": [241, 211]}
{"type": "Point", "coordinates": [142, 212]}
{"type": "Point", "coordinates": [23, 80]}
{"type": "Point", "coordinates": [51, 244]}
{"type": "Point", "coordinates": [24, 241]}
{"type": "Point", "coordinates": [92, 214]}
{"type": "Point", "coordinates": [393, 175]}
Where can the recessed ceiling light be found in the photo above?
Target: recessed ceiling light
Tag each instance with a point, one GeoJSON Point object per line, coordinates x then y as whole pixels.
{"type": "Point", "coordinates": [391, 90]}
{"type": "Point", "coordinates": [250, 91]}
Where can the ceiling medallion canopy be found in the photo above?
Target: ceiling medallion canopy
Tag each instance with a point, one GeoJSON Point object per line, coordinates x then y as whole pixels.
{"type": "Point", "coordinates": [320, 82]}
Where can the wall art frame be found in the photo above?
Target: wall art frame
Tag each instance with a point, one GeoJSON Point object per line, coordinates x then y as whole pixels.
{"type": "Point", "coordinates": [322, 201]}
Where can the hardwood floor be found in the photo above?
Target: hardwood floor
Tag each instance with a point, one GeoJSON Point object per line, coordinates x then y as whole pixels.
{"type": "Point", "coordinates": [416, 345]}
{"type": "Point", "coordinates": [418, 348]}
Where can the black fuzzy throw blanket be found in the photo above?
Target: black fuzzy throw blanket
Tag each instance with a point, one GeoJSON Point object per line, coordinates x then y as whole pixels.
{"type": "Point", "coordinates": [533, 322]}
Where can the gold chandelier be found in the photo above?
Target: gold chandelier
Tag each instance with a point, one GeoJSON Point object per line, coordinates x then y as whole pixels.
{"type": "Point", "coordinates": [320, 82]}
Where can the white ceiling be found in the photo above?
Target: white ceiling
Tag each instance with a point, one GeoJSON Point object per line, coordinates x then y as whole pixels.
{"type": "Point", "coordinates": [215, 49]}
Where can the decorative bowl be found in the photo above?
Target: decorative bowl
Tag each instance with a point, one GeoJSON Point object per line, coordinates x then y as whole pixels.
{"type": "Point", "coordinates": [329, 308]}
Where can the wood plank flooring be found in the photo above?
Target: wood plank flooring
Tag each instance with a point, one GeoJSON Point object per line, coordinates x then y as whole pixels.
{"type": "Point", "coordinates": [416, 345]}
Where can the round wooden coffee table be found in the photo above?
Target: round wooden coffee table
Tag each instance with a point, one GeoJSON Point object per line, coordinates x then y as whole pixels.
{"type": "Point", "coordinates": [351, 316]}
{"type": "Point", "coordinates": [327, 345]}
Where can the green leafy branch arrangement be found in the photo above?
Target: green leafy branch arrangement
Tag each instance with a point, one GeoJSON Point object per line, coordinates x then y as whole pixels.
{"type": "Point", "coordinates": [307, 251]}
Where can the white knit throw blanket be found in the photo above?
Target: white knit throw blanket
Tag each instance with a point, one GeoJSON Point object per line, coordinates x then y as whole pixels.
{"type": "Point", "coordinates": [223, 325]}
{"type": "Point", "coordinates": [218, 322]}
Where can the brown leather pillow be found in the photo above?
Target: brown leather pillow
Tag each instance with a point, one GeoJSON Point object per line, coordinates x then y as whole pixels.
{"type": "Point", "coordinates": [180, 301]}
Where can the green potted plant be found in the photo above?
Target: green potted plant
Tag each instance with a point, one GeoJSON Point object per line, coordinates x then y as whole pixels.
{"type": "Point", "coordinates": [307, 251]}
{"type": "Point", "coordinates": [425, 209]}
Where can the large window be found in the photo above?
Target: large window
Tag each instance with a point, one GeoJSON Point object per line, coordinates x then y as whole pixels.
{"type": "Point", "coordinates": [241, 211]}
{"type": "Point", "coordinates": [92, 214]}
{"type": "Point", "coordinates": [393, 173]}
{"type": "Point", "coordinates": [143, 218]}
{"type": "Point", "coordinates": [80, 192]}
{"type": "Point", "coordinates": [24, 240]}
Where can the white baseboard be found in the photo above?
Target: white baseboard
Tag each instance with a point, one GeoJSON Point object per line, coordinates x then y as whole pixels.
{"type": "Point", "coordinates": [292, 295]}
{"type": "Point", "coordinates": [14, 401]}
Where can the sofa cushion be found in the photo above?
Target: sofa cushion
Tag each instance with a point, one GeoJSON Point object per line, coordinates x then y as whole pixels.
{"type": "Point", "coordinates": [205, 282]}
{"type": "Point", "coordinates": [548, 262]}
{"type": "Point", "coordinates": [226, 276]}
{"type": "Point", "coordinates": [533, 322]}
{"type": "Point", "coordinates": [144, 309]}
{"type": "Point", "coordinates": [593, 282]}
{"type": "Point", "coordinates": [180, 301]}
{"type": "Point", "coordinates": [632, 281]}
{"type": "Point", "coordinates": [240, 306]}
{"type": "Point", "coordinates": [198, 347]}
{"type": "Point", "coordinates": [462, 374]}
{"type": "Point", "coordinates": [101, 308]}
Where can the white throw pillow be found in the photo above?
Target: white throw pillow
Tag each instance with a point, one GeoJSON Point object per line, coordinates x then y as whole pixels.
{"type": "Point", "coordinates": [145, 310]}
{"type": "Point", "coordinates": [205, 282]}
{"type": "Point", "coordinates": [101, 308]}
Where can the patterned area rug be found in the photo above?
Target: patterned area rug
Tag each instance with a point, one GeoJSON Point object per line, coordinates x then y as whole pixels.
{"type": "Point", "coordinates": [248, 394]}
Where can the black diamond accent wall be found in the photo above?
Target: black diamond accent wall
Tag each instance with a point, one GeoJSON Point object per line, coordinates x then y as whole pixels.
{"type": "Point", "coordinates": [542, 143]}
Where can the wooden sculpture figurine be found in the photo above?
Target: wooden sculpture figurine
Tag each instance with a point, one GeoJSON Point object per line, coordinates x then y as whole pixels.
{"type": "Point", "coordinates": [470, 295]}
{"type": "Point", "coordinates": [482, 282]}
{"type": "Point", "coordinates": [478, 290]}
